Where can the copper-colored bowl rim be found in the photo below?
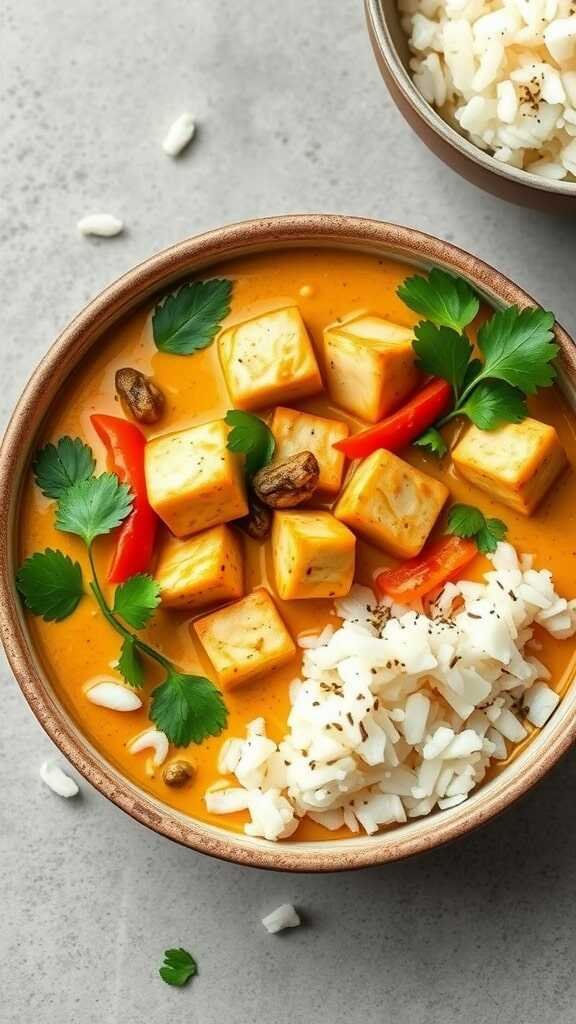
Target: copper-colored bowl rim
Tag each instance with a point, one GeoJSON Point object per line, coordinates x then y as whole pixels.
{"type": "Point", "coordinates": [195, 254]}
{"type": "Point", "coordinates": [381, 34]}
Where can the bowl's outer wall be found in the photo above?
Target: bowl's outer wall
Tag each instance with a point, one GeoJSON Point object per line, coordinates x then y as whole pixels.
{"type": "Point", "coordinates": [382, 14]}
{"type": "Point", "coordinates": [128, 292]}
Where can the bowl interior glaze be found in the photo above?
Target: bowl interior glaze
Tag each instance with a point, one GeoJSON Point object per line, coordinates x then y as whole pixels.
{"type": "Point", "coordinates": [193, 256]}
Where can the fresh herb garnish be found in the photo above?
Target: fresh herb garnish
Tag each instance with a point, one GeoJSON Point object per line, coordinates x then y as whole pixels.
{"type": "Point", "coordinates": [251, 436]}
{"type": "Point", "coordinates": [432, 440]}
{"type": "Point", "coordinates": [51, 584]}
{"type": "Point", "coordinates": [517, 346]}
{"type": "Point", "coordinates": [186, 708]}
{"type": "Point", "coordinates": [57, 467]}
{"type": "Point", "coordinates": [179, 966]}
{"type": "Point", "coordinates": [469, 522]}
{"type": "Point", "coordinates": [190, 318]}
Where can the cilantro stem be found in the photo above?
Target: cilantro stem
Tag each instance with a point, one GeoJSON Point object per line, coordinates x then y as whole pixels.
{"type": "Point", "coordinates": [117, 625]}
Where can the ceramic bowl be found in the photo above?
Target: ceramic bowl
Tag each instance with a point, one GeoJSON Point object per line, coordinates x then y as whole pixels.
{"type": "Point", "coordinates": [193, 256]}
{"type": "Point", "coordinates": [391, 48]}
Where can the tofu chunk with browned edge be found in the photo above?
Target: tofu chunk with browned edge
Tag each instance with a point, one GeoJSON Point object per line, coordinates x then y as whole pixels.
{"type": "Point", "coordinates": [516, 464]}
{"type": "Point", "coordinates": [313, 555]}
{"type": "Point", "coordinates": [193, 480]}
{"type": "Point", "coordinates": [202, 570]}
{"type": "Point", "coordinates": [391, 504]}
{"type": "Point", "coordinates": [245, 639]}
{"type": "Point", "coordinates": [296, 431]}
{"type": "Point", "coordinates": [268, 359]}
{"type": "Point", "coordinates": [370, 365]}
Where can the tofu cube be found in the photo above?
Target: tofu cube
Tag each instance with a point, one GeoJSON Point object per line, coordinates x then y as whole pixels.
{"type": "Point", "coordinates": [245, 639]}
{"type": "Point", "coordinates": [193, 480]}
{"type": "Point", "coordinates": [304, 432]}
{"type": "Point", "coordinates": [370, 365]}
{"type": "Point", "coordinates": [391, 504]}
{"type": "Point", "coordinates": [516, 464]}
{"type": "Point", "coordinates": [268, 359]}
{"type": "Point", "coordinates": [202, 570]}
{"type": "Point", "coordinates": [313, 555]}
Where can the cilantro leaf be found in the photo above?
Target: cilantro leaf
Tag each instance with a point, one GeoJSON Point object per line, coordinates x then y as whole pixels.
{"type": "Point", "coordinates": [433, 440]}
{"type": "Point", "coordinates": [179, 966]}
{"type": "Point", "coordinates": [474, 368]}
{"type": "Point", "coordinates": [136, 599]}
{"type": "Point", "coordinates": [492, 403]}
{"type": "Point", "coordinates": [91, 508]}
{"type": "Point", "coordinates": [442, 352]}
{"type": "Point", "coordinates": [190, 318]}
{"type": "Point", "coordinates": [469, 522]}
{"type": "Point", "coordinates": [251, 436]}
{"type": "Point", "coordinates": [57, 467]}
{"type": "Point", "coordinates": [446, 300]}
{"type": "Point", "coordinates": [188, 709]}
{"type": "Point", "coordinates": [518, 347]}
{"type": "Point", "coordinates": [51, 584]}
{"type": "Point", "coordinates": [130, 663]}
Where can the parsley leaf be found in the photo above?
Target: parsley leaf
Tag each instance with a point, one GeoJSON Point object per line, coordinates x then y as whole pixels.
{"type": "Point", "coordinates": [469, 522]}
{"type": "Point", "coordinates": [57, 467]}
{"type": "Point", "coordinates": [442, 352]}
{"type": "Point", "coordinates": [51, 584]}
{"type": "Point", "coordinates": [446, 300]}
{"type": "Point", "coordinates": [136, 599]}
{"type": "Point", "coordinates": [190, 319]}
{"type": "Point", "coordinates": [251, 436]}
{"type": "Point", "coordinates": [492, 403]}
{"type": "Point", "coordinates": [130, 663]}
{"type": "Point", "coordinates": [433, 440]}
{"type": "Point", "coordinates": [91, 508]}
{"type": "Point", "coordinates": [179, 966]}
{"type": "Point", "coordinates": [188, 709]}
{"type": "Point", "coordinates": [518, 347]}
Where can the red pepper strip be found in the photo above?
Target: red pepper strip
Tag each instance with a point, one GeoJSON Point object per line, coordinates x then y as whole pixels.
{"type": "Point", "coordinates": [437, 564]}
{"type": "Point", "coordinates": [125, 445]}
{"type": "Point", "coordinates": [404, 426]}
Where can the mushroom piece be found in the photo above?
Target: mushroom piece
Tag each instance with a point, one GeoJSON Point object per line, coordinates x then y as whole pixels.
{"type": "Point", "coordinates": [178, 773]}
{"type": "Point", "coordinates": [289, 482]}
{"type": "Point", "coordinates": [258, 523]}
{"type": "Point", "coordinates": [139, 395]}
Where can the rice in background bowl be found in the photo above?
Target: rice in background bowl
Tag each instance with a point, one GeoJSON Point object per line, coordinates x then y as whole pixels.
{"type": "Point", "coordinates": [503, 74]}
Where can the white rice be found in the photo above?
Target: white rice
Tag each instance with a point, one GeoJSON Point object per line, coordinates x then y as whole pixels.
{"type": "Point", "coordinates": [504, 73]}
{"type": "Point", "coordinates": [399, 712]}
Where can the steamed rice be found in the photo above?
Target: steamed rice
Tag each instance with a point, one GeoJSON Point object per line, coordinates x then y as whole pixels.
{"type": "Point", "coordinates": [400, 712]}
{"type": "Point", "coordinates": [503, 73]}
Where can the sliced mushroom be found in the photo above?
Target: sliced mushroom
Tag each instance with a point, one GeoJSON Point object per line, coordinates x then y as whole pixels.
{"type": "Point", "coordinates": [289, 482]}
{"type": "Point", "coordinates": [178, 773]}
{"type": "Point", "coordinates": [139, 395]}
{"type": "Point", "coordinates": [258, 523]}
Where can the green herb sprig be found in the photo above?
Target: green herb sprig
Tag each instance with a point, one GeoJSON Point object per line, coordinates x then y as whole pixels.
{"type": "Point", "coordinates": [251, 436]}
{"type": "Point", "coordinates": [189, 319]}
{"type": "Point", "coordinates": [517, 348]}
{"type": "Point", "coordinates": [178, 968]}
{"type": "Point", "coordinates": [187, 708]}
{"type": "Point", "coordinates": [469, 522]}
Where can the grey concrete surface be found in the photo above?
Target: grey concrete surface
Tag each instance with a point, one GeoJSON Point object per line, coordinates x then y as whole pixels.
{"type": "Point", "coordinates": [293, 117]}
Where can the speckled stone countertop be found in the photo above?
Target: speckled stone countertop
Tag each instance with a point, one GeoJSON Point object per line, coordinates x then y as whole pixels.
{"type": "Point", "coordinates": [293, 117]}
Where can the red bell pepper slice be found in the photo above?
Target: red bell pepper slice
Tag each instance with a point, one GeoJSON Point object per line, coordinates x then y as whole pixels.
{"type": "Point", "coordinates": [404, 426]}
{"type": "Point", "coordinates": [437, 564]}
{"type": "Point", "coordinates": [125, 445]}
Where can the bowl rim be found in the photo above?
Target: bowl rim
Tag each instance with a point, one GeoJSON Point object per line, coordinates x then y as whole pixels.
{"type": "Point", "coordinates": [125, 294]}
{"type": "Point", "coordinates": [381, 34]}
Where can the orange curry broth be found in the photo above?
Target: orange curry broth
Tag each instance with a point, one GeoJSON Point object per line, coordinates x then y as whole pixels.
{"type": "Point", "coordinates": [84, 648]}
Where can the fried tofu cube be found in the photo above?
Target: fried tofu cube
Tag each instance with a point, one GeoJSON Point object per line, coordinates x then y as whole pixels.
{"type": "Point", "coordinates": [370, 365]}
{"type": "Point", "coordinates": [304, 432]}
{"type": "Point", "coordinates": [391, 504]}
{"type": "Point", "coordinates": [517, 464]}
{"type": "Point", "coordinates": [313, 555]}
{"type": "Point", "coordinates": [204, 569]}
{"type": "Point", "coordinates": [269, 358]}
{"type": "Point", "coordinates": [193, 480]}
{"type": "Point", "coordinates": [245, 639]}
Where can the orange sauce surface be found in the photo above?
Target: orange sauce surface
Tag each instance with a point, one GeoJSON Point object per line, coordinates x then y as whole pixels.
{"type": "Point", "coordinates": [84, 648]}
